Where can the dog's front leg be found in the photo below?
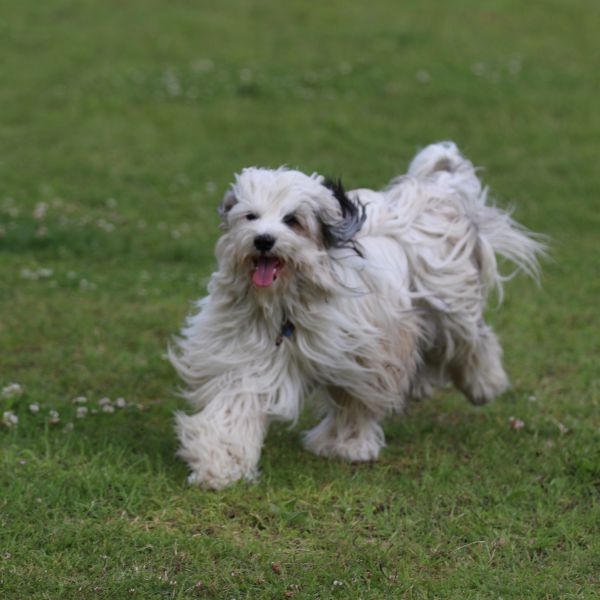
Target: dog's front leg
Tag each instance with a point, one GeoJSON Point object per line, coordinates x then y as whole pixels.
{"type": "Point", "coordinates": [349, 430]}
{"type": "Point", "coordinates": [223, 442]}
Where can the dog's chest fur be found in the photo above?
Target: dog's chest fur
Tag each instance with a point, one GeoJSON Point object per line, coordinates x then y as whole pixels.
{"type": "Point", "coordinates": [362, 340]}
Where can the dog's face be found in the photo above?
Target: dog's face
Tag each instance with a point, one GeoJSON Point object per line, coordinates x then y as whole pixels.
{"type": "Point", "coordinates": [281, 223]}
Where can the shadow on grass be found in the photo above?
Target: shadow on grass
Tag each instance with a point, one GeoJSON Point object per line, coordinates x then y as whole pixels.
{"type": "Point", "coordinates": [444, 430]}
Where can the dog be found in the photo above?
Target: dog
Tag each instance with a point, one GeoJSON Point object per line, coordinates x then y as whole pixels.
{"type": "Point", "coordinates": [361, 300]}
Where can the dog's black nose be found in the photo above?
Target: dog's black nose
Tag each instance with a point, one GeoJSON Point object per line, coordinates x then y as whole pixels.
{"type": "Point", "coordinates": [264, 242]}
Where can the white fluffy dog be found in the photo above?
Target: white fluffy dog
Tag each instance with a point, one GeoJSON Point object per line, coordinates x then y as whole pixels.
{"type": "Point", "coordinates": [362, 300]}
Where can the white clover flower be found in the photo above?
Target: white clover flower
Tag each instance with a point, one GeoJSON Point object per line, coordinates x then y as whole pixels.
{"type": "Point", "coordinates": [12, 390]}
{"type": "Point", "coordinates": [84, 284]}
{"type": "Point", "coordinates": [9, 418]}
{"type": "Point", "coordinates": [40, 210]}
{"type": "Point", "coordinates": [202, 65]}
{"type": "Point", "coordinates": [53, 417]}
{"type": "Point", "coordinates": [82, 411]}
{"type": "Point", "coordinates": [105, 225]}
{"type": "Point", "coordinates": [246, 75]}
{"type": "Point", "coordinates": [479, 69]}
{"type": "Point", "coordinates": [108, 408]}
{"type": "Point", "coordinates": [172, 83]}
{"type": "Point", "coordinates": [423, 76]}
{"type": "Point", "coordinates": [41, 273]}
{"type": "Point", "coordinates": [34, 408]}
{"type": "Point", "coordinates": [80, 400]}
{"type": "Point", "coordinates": [120, 403]}
{"type": "Point", "coordinates": [514, 65]}
{"type": "Point", "coordinates": [104, 401]}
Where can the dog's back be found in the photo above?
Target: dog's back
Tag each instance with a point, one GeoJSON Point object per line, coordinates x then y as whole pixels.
{"type": "Point", "coordinates": [452, 238]}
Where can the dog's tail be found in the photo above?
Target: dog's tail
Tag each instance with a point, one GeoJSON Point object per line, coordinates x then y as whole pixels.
{"type": "Point", "coordinates": [497, 232]}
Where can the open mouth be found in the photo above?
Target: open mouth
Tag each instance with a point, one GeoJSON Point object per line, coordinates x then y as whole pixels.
{"type": "Point", "coordinates": [266, 269]}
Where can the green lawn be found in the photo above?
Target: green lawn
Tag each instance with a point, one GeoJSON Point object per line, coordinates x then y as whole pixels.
{"type": "Point", "coordinates": [121, 125]}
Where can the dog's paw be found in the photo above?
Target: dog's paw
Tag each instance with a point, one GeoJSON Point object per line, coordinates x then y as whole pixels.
{"type": "Point", "coordinates": [420, 389]}
{"type": "Point", "coordinates": [217, 480]}
{"type": "Point", "coordinates": [215, 456]}
{"type": "Point", "coordinates": [354, 445]}
{"type": "Point", "coordinates": [217, 467]}
{"type": "Point", "coordinates": [480, 390]}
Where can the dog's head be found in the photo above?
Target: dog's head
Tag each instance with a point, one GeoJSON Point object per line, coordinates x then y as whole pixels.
{"type": "Point", "coordinates": [281, 224]}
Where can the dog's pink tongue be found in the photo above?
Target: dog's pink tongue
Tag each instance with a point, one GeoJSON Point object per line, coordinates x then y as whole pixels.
{"type": "Point", "coordinates": [265, 272]}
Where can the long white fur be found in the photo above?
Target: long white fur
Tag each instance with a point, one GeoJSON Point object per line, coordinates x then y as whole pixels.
{"type": "Point", "coordinates": [371, 331]}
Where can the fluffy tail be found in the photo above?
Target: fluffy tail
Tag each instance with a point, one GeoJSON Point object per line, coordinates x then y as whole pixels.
{"type": "Point", "coordinates": [498, 233]}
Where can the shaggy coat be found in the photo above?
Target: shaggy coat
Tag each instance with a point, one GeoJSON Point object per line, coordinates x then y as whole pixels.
{"type": "Point", "coordinates": [360, 300]}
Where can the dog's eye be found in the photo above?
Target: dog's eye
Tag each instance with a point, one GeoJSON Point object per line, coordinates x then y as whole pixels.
{"type": "Point", "coordinates": [291, 220]}
{"type": "Point", "coordinates": [251, 217]}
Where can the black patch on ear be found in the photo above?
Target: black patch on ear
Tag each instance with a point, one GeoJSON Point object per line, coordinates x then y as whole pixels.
{"type": "Point", "coordinates": [229, 201]}
{"type": "Point", "coordinates": [341, 234]}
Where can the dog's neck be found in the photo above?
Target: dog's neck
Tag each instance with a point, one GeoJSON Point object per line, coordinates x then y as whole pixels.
{"type": "Point", "coordinates": [283, 308]}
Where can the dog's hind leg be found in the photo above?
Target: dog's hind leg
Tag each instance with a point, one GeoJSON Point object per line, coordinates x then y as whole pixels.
{"type": "Point", "coordinates": [477, 370]}
{"type": "Point", "coordinates": [223, 442]}
{"type": "Point", "coordinates": [349, 430]}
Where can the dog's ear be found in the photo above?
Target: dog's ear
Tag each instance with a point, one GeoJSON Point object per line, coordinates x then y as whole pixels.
{"type": "Point", "coordinates": [228, 202]}
{"type": "Point", "coordinates": [341, 233]}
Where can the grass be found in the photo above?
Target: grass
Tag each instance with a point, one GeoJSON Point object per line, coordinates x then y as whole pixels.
{"type": "Point", "coordinates": [121, 126]}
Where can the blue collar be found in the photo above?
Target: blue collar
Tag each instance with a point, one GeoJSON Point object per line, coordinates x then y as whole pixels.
{"type": "Point", "coordinates": [287, 329]}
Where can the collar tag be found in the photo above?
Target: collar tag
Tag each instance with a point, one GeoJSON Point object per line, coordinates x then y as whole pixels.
{"type": "Point", "coordinates": [287, 331]}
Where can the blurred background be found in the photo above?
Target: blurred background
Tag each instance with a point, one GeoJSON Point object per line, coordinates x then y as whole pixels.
{"type": "Point", "coordinates": [122, 124]}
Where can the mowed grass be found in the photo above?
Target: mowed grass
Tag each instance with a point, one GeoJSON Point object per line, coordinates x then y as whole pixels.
{"type": "Point", "coordinates": [121, 125]}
